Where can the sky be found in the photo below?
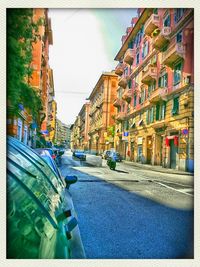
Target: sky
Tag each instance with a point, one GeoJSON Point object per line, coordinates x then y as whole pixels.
{"type": "Point", "coordinates": [85, 43]}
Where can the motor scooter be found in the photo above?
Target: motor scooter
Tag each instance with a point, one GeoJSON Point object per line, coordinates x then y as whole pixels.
{"type": "Point", "coordinates": [111, 162]}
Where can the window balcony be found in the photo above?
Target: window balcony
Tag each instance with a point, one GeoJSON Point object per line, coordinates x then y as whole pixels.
{"type": "Point", "coordinates": [149, 75]}
{"type": "Point", "coordinates": [119, 69]}
{"type": "Point", "coordinates": [162, 38]}
{"type": "Point", "coordinates": [151, 24]}
{"type": "Point", "coordinates": [117, 102]}
{"type": "Point", "coordinates": [127, 95]}
{"type": "Point", "coordinates": [129, 56]}
{"type": "Point", "coordinates": [158, 94]}
{"type": "Point", "coordinates": [174, 53]}
{"type": "Point", "coordinates": [123, 82]}
{"type": "Point", "coordinates": [120, 116]}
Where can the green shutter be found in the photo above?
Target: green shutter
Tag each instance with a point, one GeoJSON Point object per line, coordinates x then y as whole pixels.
{"type": "Point", "coordinates": [147, 116]}
{"type": "Point", "coordinates": [157, 112]}
{"type": "Point", "coordinates": [159, 82]}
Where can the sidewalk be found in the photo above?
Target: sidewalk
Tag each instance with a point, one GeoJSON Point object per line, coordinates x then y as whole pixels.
{"type": "Point", "coordinates": [156, 168]}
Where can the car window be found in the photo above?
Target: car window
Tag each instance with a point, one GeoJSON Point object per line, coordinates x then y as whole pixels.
{"type": "Point", "coordinates": [30, 233]}
{"type": "Point", "coordinates": [21, 152]}
{"type": "Point", "coordinates": [34, 179]}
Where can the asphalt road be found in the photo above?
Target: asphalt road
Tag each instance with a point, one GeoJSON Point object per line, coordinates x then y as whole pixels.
{"type": "Point", "coordinates": [132, 213]}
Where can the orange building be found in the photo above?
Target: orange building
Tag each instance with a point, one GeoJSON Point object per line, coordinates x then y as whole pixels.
{"type": "Point", "coordinates": [42, 76]}
{"type": "Point", "coordinates": [102, 113]}
{"type": "Point", "coordinates": [22, 125]}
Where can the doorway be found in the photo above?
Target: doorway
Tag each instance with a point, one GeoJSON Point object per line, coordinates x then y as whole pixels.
{"type": "Point", "coordinates": [173, 154]}
{"type": "Point", "coordinates": [149, 149]}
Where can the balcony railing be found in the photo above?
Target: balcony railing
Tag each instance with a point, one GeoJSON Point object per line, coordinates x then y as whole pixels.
{"type": "Point", "coordinates": [151, 24]}
{"type": "Point", "coordinates": [158, 94]}
{"type": "Point", "coordinates": [123, 82]}
{"type": "Point", "coordinates": [162, 38]}
{"type": "Point", "coordinates": [127, 95]}
{"type": "Point", "coordinates": [129, 56]}
{"type": "Point", "coordinates": [120, 116]}
{"type": "Point", "coordinates": [119, 69]}
{"type": "Point", "coordinates": [149, 75]}
{"type": "Point", "coordinates": [117, 102]}
{"type": "Point", "coordinates": [174, 53]}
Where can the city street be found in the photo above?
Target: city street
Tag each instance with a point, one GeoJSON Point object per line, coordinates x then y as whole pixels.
{"type": "Point", "coordinates": [132, 213]}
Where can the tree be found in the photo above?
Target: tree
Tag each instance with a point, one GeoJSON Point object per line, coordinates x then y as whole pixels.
{"type": "Point", "coordinates": [21, 33]}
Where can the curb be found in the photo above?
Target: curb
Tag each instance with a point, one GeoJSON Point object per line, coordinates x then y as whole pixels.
{"type": "Point", "coordinates": [164, 170]}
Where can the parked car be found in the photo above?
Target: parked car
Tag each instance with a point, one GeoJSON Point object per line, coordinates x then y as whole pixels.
{"type": "Point", "coordinates": [44, 153]}
{"type": "Point", "coordinates": [79, 154]}
{"type": "Point", "coordinates": [41, 220]}
{"type": "Point", "coordinates": [106, 154]}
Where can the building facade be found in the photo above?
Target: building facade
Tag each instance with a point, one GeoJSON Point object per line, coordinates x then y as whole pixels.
{"type": "Point", "coordinates": [84, 126]}
{"type": "Point", "coordinates": [154, 104]}
{"type": "Point", "coordinates": [22, 125]}
{"type": "Point", "coordinates": [102, 113]}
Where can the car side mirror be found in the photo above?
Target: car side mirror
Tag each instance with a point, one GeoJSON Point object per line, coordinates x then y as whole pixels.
{"type": "Point", "coordinates": [70, 179]}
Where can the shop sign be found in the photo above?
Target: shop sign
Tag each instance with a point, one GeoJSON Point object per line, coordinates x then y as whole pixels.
{"type": "Point", "coordinates": [126, 134]}
{"type": "Point", "coordinates": [139, 141]}
{"type": "Point", "coordinates": [185, 131]}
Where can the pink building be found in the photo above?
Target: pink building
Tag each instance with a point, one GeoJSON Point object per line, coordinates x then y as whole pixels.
{"type": "Point", "coordinates": [155, 95]}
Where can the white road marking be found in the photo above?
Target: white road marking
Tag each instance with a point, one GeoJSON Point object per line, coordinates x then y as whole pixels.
{"type": "Point", "coordinates": [178, 190]}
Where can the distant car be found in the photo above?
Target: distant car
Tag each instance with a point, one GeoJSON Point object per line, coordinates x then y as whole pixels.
{"type": "Point", "coordinates": [79, 154]}
{"type": "Point", "coordinates": [106, 154]}
{"type": "Point", "coordinates": [116, 156]}
{"type": "Point", "coordinates": [41, 220]}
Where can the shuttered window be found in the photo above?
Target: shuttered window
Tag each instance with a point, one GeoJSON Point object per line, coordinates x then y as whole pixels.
{"type": "Point", "coordinates": [157, 112]}
{"type": "Point", "coordinates": [151, 114]}
{"type": "Point", "coordinates": [175, 109]}
{"type": "Point", "coordinates": [177, 73]}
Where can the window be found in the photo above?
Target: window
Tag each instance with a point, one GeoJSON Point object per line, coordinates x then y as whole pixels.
{"type": "Point", "coordinates": [151, 87]}
{"type": "Point", "coordinates": [155, 11]}
{"type": "Point", "coordinates": [145, 49]}
{"type": "Point", "coordinates": [130, 44]}
{"type": "Point", "coordinates": [126, 71]}
{"type": "Point", "coordinates": [135, 100]}
{"type": "Point", "coordinates": [143, 95]}
{"type": "Point", "coordinates": [175, 109]}
{"type": "Point", "coordinates": [178, 14]}
{"type": "Point", "coordinates": [157, 112]}
{"type": "Point", "coordinates": [163, 81]}
{"type": "Point", "coordinates": [177, 72]}
{"type": "Point", "coordinates": [137, 58]}
{"type": "Point", "coordinates": [166, 21]}
{"type": "Point", "coordinates": [130, 84]}
{"type": "Point", "coordinates": [163, 111]}
{"type": "Point", "coordinates": [152, 115]}
{"type": "Point", "coordinates": [147, 116]}
{"type": "Point", "coordinates": [179, 37]}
